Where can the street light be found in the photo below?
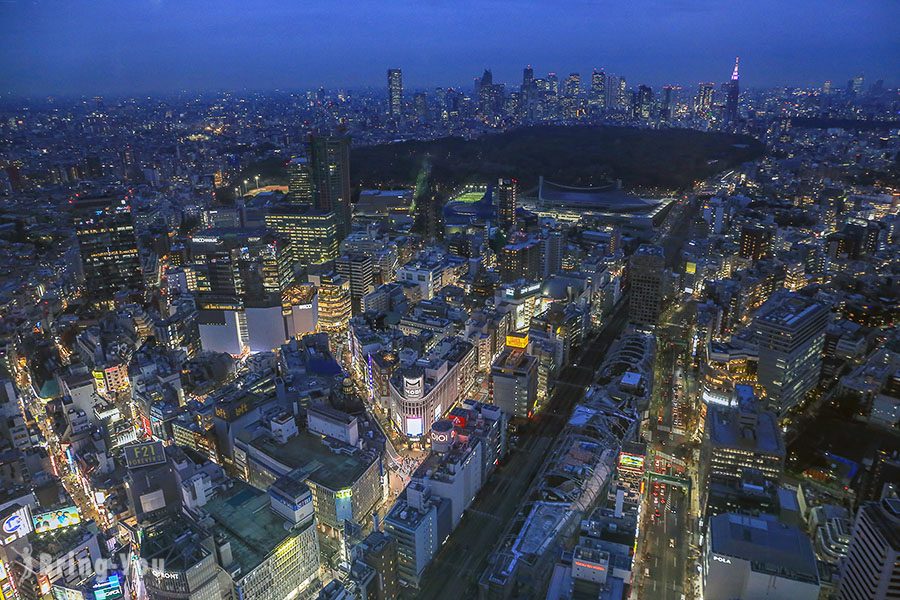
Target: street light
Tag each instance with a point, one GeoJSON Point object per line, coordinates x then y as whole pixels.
{"type": "Point", "coordinates": [257, 181]}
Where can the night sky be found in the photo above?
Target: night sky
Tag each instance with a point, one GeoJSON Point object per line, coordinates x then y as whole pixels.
{"type": "Point", "coordinates": [132, 46]}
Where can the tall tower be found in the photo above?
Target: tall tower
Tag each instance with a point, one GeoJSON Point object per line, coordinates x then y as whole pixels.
{"type": "Point", "coordinates": [395, 92]}
{"type": "Point", "coordinates": [598, 88]}
{"type": "Point", "coordinates": [330, 169]}
{"type": "Point", "coordinates": [733, 92]}
{"type": "Point", "coordinates": [507, 202]}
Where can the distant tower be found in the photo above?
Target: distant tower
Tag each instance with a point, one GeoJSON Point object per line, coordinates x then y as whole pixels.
{"type": "Point", "coordinates": [731, 98]}
{"type": "Point", "coordinates": [395, 92]}
{"type": "Point", "coordinates": [598, 88]}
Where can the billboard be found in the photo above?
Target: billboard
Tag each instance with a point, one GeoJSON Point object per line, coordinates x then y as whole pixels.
{"type": "Point", "coordinates": [631, 462]}
{"type": "Point", "coordinates": [144, 454]}
{"type": "Point", "coordinates": [517, 340]}
{"type": "Point", "coordinates": [56, 519]}
{"type": "Point", "coordinates": [15, 524]}
{"type": "Point", "coordinates": [111, 589]}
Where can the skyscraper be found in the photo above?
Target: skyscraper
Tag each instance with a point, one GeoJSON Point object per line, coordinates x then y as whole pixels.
{"type": "Point", "coordinates": [704, 101]}
{"type": "Point", "coordinates": [621, 95]}
{"type": "Point", "coordinates": [642, 102]}
{"type": "Point", "coordinates": [553, 81]}
{"type": "Point", "coordinates": [646, 272]}
{"type": "Point", "coordinates": [312, 233]}
{"type": "Point", "coordinates": [330, 168]}
{"type": "Point", "coordinates": [598, 88]}
{"type": "Point", "coordinates": [395, 92]}
{"type": "Point", "coordinates": [732, 94]}
{"type": "Point", "coordinates": [573, 84]}
{"type": "Point", "coordinates": [665, 111]}
{"type": "Point", "coordinates": [790, 330]}
{"type": "Point", "coordinates": [300, 187]}
{"type": "Point", "coordinates": [507, 202]}
{"type": "Point", "coordinates": [872, 568]}
{"type": "Point", "coordinates": [107, 244]}
{"type": "Point", "coordinates": [527, 80]}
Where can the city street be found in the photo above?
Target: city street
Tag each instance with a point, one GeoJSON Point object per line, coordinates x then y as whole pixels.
{"type": "Point", "coordinates": [666, 546]}
{"type": "Point", "coordinates": [455, 569]}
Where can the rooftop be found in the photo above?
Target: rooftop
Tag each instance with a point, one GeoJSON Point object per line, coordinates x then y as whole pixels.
{"type": "Point", "coordinates": [243, 513]}
{"type": "Point", "coordinates": [770, 546]}
{"type": "Point", "coordinates": [331, 468]}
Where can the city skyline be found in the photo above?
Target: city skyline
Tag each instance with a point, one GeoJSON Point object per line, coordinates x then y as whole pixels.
{"type": "Point", "coordinates": [157, 47]}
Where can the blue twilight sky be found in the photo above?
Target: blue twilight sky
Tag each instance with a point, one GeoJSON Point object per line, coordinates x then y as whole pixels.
{"type": "Point", "coordinates": [129, 46]}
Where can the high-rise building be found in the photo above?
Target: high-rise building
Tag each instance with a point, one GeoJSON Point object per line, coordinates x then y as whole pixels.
{"type": "Point", "coordinates": [300, 185]}
{"type": "Point", "coordinates": [646, 278]}
{"type": "Point", "coordinates": [312, 233]}
{"type": "Point", "coordinates": [521, 259]}
{"type": "Point", "coordinates": [755, 242]}
{"type": "Point", "coordinates": [872, 567]}
{"type": "Point", "coordinates": [622, 94]}
{"type": "Point", "coordinates": [554, 248]}
{"type": "Point", "coordinates": [514, 379]}
{"type": "Point", "coordinates": [732, 95]}
{"type": "Point", "coordinates": [360, 272]}
{"type": "Point", "coordinates": [334, 302]}
{"type": "Point", "coordinates": [553, 84]}
{"type": "Point", "coordinates": [790, 331]}
{"type": "Point", "coordinates": [507, 203]}
{"type": "Point", "coordinates": [107, 245]}
{"type": "Point", "coordinates": [395, 92]}
{"type": "Point", "coordinates": [330, 167]}
{"type": "Point", "coordinates": [665, 109]}
{"type": "Point", "coordinates": [598, 88]}
{"type": "Point", "coordinates": [642, 102]}
{"type": "Point", "coordinates": [573, 84]}
{"type": "Point", "coordinates": [742, 441]}
{"type": "Point", "coordinates": [704, 101]}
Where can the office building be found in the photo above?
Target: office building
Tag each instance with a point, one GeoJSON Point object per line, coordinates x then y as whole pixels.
{"type": "Point", "coordinates": [642, 102]}
{"type": "Point", "coordinates": [300, 185]}
{"type": "Point", "coordinates": [598, 88]}
{"type": "Point", "coordinates": [758, 557]}
{"type": "Point", "coordinates": [872, 567]}
{"type": "Point", "coordinates": [522, 258]}
{"type": "Point", "coordinates": [312, 233]}
{"type": "Point", "coordinates": [330, 167]}
{"type": "Point", "coordinates": [507, 203]}
{"type": "Point", "coordinates": [359, 271]}
{"type": "Point", "coordinates": [395, 92]}
{"type": "Point", "coordinates": [514, 379]}
{"type": "Point", "coordinates": [742, 441]}
{"type": "Point", "coordinates": [790, 331]}
{"type": "Point", "coordinates": [107, 245]}
{"type": "Point", "coordinates": [419, 522]}
{"type": "Point", "coordinates": [704, 102]}
{"type": "Point", "coordinates": [756, 242]}
{"type": "Point", "coordinates": [646, 278]}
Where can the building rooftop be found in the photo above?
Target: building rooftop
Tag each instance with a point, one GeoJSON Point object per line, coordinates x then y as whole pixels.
{"type": "Point", "coordinates": [243, 514]}
{"type": "Point", "coordinates": [727, 429]}
{"type": "Point", "coordinates": [329, 464]}
{"type": "Point", "coordinates": [770, 546]}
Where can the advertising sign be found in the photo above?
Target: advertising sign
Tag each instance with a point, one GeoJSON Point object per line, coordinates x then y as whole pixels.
{"type": "Point", "coordinates": [144, 454]}
{"type": "Point", "coordinates": [56, 519]}
{"type": "Point", "coordinates": [15, 524]}
{"type": "Point", "coordinates": [631, 461]}
{"type": "Point", "coordinates": [111, 589]}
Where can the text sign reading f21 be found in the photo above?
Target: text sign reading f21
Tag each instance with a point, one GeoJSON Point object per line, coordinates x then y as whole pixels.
{"type": "Point", "coordinates": [144, 454]}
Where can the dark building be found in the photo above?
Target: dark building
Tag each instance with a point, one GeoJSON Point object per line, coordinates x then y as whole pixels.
{"type": "Point", "coordinates": [330, 168]}
{"type": "Point", "coordinates": [646, 275]}
{"type": "Point", "coordinates": [379, 551]}
{"type": "Point", "coordinates": [107, 244]}
{"type": "Point", "coordinates": [507, 203]}
{"type": "Point", "coordinates": [300, 187]}
{"type": "Point", "coordinates": [756, 242]}
{"type": "Point", "coordinates": [521, 259]}
{"type": "Point", "coordinates": [732, 94]}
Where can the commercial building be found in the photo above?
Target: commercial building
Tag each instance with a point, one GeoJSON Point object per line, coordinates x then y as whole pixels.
{"type": "Point", "coordinates": [514, 379]}
{"type": "Point", "coordinates": [646, 278]}
{"type": "Point", "coordinates": [334, 302]}
{"type": "Point", "coordinates": [419, 522]}
{"type": "Point", "coordinates": [312, 233]}
{"type": "Point", "coordinates": [742, 440]}
{"type": "Point", "coordinates": [758, 557]}
{"type": "Point", "coordinates": [421, 392]}
{"type": "Point", "coordinates": [755, 242]}
{"type": "Point", "coordinates": [872, 567]}
{"type": "Point", "coordinates": [521, 259]}
{"type": "Point", "coordinates": [790, 331]}
{"type": "Point", "coordinates": [358, 269]}
{"type": "Point", "coordinates": [107, 245]}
